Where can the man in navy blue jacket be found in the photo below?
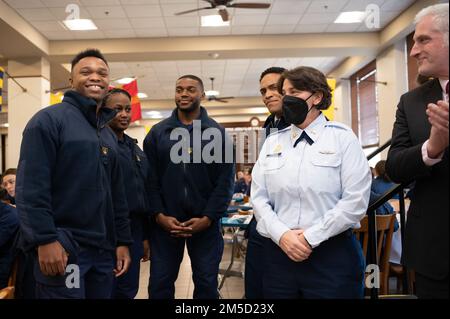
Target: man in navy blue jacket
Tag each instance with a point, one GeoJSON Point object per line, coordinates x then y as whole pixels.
{"type": "Point", "coordinates": [254, 268]}
{"type": "Point", "coordinates": [69, 191]}
{"type": "Point", "coordinates": [188, 193]}
{"type": "Point", "coordinates": [134, 165]}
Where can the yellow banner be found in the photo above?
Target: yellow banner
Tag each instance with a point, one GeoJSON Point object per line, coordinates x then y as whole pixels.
{"type": "Point", "coordinates": [329, 113]}
{"type": "Point", "coordinates": [56, 98]}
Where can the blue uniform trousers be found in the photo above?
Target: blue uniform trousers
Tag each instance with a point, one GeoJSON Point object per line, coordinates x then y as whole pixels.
{"type": "Point", "coordinates": [205, 251]}
{"type": "Point", "coordinates": [127, 285]}
{"type": "Point", "coordinates": [334, 270]}
{"type": "Point", "coordinates": [95, 280]}
{"type": "Point", "coordinates": [254, 263]}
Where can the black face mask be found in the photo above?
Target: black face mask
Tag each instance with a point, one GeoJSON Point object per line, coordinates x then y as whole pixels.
{"type": "Point", "coordinates": [295, 109]}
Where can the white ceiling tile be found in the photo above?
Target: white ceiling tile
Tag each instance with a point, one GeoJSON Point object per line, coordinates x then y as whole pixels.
{"type": "Point", "coordinates": [140, 23]}
{"type": "Point", "coordinates": [215, 31]}
{"type": "Point", "coordinates": [142, 11]}
{"type": "Point", "coordinates": [326, 6]}
{"type": "Point", "coordinates": [360, 5]}
{"type": "Point", "coordinates": [169, 10]}
{"type": "Point", "coordinates": [100, 2]}
{"type": "Point", "coordinates": [346, 27]}
{"type": "Point", "coordinates": [113, 24]}
{"type": "Point", "coordinates": [318, 18]}
{"type": "Point", "coordinates": [59, 35]}
{"type": "Point", "coordinates": [396, 5]}
{"type": "Point", "coordinates": [279, 29]}
{"type": "Point", "coordinates": [179, 22]}
{"type": "Point", "coordinates": [48, 25]}
{"type": "Point", "coordinates": [249, 20]}
{"type": "Point", "coordinates": [121, 33]}
{"type": "Point", "coordinates": [247, 30]}
{"type": "Point", "coordinates": [36, 14]}
{"type": "Point", "coordinates": [18, 4]}
{"type": "Point", "coordinates": [311, 28]}
{"type": "Point", "coordinates": [282, 19]}
{"type": "Point", "coordinates": [58, 3]}
{"type": "Point", "coordinates": [289, 6]}
{"type": "Point", "coordinates": [150, 33]}
{"type": "Point", "coordinates": [107, 12]}
{"type": "Point", "coordinates": [247, 12]}
{"type": "Point", "coordinates": [139, 2]}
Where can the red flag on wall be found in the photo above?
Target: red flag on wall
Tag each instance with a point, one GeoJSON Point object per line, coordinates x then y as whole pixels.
{"type": "Point", "coordinates": [135, 103]}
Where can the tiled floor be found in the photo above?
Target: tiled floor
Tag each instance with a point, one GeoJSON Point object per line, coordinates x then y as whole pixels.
{"type": "Point", "coordinates": [232, 289]}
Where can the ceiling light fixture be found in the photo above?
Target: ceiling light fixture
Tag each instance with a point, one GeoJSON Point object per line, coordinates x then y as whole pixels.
{"type": "Point", "coordinates": [351, 17]}
{"type": "Point", "coordinates": [214, 21]}
{"type": "Point", "coordinates": [125, 80]}
{"type": "Point", "coordinates": [80, 24]}
{"type": "Point", "coordinates": [142, 95]}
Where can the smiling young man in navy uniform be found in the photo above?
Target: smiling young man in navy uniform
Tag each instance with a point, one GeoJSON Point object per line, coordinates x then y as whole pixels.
{"type": "Point", "coordinates": [69, 190]}
{"type": "Point", "coordinates": [187, 197]}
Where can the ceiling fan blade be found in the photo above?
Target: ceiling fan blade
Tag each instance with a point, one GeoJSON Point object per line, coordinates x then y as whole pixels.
{"type": "Point", "coordinates": [193, 10]}
{"type": "Point", "coordinates": [250, 5]}
{"type": "Point", "coordinates": [224, 14]}
{"type": "Point", "coordinates": [212, 2]}
{"type": "Point", "coordinates": [220, 100]}
{"type": "Point", "coordinates": [226, 97]}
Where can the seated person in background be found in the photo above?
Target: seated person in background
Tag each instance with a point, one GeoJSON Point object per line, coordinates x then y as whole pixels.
{"type": "Point", "coordinates": [239, 184]}
{"type": "Point", "coordinates": [9, 183]}
{"type": "Point", "coordinates": [382, 183]}
{"type": "Point", "coordinates": [384, 209]}
{"type": "Point", "coordinates": [9, 224]}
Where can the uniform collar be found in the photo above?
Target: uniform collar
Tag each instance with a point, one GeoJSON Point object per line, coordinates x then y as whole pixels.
{"type": "Point", "coordinates": [443, 83]}
{"type": "Point", "coordinates": [313, 130]}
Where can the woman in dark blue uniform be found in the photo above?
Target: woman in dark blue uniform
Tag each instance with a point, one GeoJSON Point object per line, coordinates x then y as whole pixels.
{"type": "Point", "coordinates": [134, 165]}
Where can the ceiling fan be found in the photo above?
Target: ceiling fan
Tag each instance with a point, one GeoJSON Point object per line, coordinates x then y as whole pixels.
{"type": "Point", "coordinates": [222, 5]}
{"type": "Point", "coordinates": [212, 95]}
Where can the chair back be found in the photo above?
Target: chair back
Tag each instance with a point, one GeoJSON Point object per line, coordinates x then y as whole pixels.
{"type": "Point", "coordinates": [8, 292]}
{"type": "Point", "coordinates": [385, 230]}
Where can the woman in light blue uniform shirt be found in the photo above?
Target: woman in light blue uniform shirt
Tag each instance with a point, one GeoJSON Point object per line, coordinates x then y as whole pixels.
{"type": "Point", "coordinates": [311, 186]}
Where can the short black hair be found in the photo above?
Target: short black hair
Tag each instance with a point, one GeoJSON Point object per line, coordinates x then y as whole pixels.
{"type": "Point", "coordinates": [193, 77]}
{"type": "Point", "coordinates": [309, 79]}
{"type": "Point", "coordinates": [273, 69]}
{"type": "Point", "coordinates": [88, 53]}
{"type": "Point", "coordinates": [115, 91]}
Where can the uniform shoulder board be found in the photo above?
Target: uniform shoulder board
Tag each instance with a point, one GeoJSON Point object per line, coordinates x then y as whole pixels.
{"type": "Point", "coordinates": [337, 125]}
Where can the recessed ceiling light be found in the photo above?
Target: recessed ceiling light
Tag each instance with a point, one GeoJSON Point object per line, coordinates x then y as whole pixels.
{"type": "Point", "coordinates": [212, 93]}
{"type": "Point", "coordinates": [214, 21]}
{"type": "Point", "coordinates": [142, 95]}
{"type": "Point", "coordinates": [80, 24]}
{"type": "Point", "coordinates": [351, 17]}
{"type": "Point", "coordinates": [125, 80]}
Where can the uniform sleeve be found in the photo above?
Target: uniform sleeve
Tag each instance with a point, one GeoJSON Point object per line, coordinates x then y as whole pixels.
{"type": "Point", "coordinates": [121, 212]}
{"type": "Point", "coordinates": [154, 191]}
{"type": "Point", "coordinates": [404, 161]}
{"type": "Point", "coordinates": [268, 223]}
{"type": "Point", "coordinates": [9, 223]}
{"type": "Point", "coordinates": [34, 175]}
{"type": "Point", "coordinates": [221, 196]}
{"type": "Point", "coordinates": [352, 206]}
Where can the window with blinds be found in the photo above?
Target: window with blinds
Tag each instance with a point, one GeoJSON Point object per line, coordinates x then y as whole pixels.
{"type": "Point", "coordinates": [365, 105]}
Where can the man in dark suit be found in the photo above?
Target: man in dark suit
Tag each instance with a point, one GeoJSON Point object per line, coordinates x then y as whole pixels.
{"type": "Point", "coordinates": [419, 152]}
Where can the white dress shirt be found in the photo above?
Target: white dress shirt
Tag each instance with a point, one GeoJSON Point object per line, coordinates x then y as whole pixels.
{"type": "Point", "coordinates": [322, 188]}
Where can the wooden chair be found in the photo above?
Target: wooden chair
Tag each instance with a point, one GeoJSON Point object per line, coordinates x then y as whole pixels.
{"type": "Point", "coordinates": [385, 230]}
{"type": "Point", "coordinates": [8, 292]}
